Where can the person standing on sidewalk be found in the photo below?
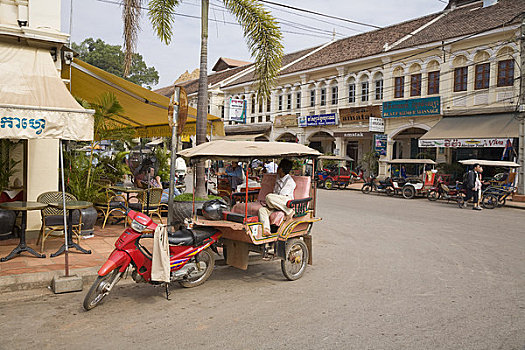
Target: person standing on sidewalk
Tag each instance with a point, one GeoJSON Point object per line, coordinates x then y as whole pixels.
{"type": "Point", "coordinates": [473, 186]}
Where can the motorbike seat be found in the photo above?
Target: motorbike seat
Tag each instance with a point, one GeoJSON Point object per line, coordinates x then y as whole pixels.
{"type": "Point", "coordinates": [192, 237]}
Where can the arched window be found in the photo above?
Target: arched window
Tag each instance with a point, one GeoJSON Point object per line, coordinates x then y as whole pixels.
{"type": "Point", "coordinates": [415, 80]}
{"type": "Point", "coordinates": [505, 67]}
{"type": "Point", "coordinates": [399, 83]}
{"type": "Point", "coordinates": [481, 70]}
{"type": "Point", "coordinates": [351, 90]}
{"type": "Point", "coordinates": [433, 77]}
{"type": "Point", "coordinates": [365, 88]}
{"type": "Point", "coordinates": [460, 73]}
{"type": "Point", "coordinates": [378, 82]}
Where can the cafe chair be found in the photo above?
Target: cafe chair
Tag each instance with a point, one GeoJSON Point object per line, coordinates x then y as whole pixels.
{"type": "Point", "coordinates": [110, 206]}
{"type": "Point", "coordinates": [141, 202]}
{"type": "Point", "coordinates": [53, 218]}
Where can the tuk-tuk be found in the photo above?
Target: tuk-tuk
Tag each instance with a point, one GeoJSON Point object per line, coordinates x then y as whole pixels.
{"type": "Point", "coordinates": [334, 176]}
{"type": "Point", "coordinates": [410, 185]}
{"type": "Point", "coordinates": [501, 186]}
{"type": "Point", "coordinates": [242, 232]}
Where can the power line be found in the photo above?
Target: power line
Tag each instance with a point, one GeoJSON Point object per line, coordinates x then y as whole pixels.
{"type": "Point", "coordinates": [319, 35]}
{"type": "Point", "coordinates": [321, 14]}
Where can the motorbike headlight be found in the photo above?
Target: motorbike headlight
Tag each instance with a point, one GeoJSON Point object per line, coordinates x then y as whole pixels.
{"type": "Point", "coordinates": [138, 227]}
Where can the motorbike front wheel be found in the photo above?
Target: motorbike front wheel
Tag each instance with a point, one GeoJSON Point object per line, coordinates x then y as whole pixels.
{"type": "Point", "coordinates": [366, 189]}
{"type": "Point", "coordinates": [196, 278]}
{"type": "Point", "coordinates": [433, 195]}
{"type": "Point", "coordinates": [296, 258]}
{"type": "Point", "coordinates": [100, 288]}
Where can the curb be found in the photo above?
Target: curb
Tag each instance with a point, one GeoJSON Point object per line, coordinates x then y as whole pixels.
{"type": "Point", "coordinates": [38, 280]}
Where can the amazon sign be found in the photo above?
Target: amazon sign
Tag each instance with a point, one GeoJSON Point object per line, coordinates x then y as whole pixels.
{"type": "Point", "coordinates": [463, 143]}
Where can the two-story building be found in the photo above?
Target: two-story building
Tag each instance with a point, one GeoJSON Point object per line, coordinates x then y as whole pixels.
{"type": "Point", "coordinates": [445, 85]}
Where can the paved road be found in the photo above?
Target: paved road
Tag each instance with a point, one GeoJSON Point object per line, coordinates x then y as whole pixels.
{"type": "Point", "coordinates": [388, 273]}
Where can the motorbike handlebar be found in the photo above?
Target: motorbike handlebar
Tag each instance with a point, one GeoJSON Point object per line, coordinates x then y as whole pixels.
{"type": "Point", "coordinates": [126, 209]}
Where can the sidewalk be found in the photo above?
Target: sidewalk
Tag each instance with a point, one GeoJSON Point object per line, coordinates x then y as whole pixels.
{"type": "Point", "coordinates": [509, 203]}
{"type": "Point", "coordinates": [27, 272]}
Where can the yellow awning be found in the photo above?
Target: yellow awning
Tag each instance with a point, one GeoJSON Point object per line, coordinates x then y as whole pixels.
{"type": "Point", "coordinates": [144, 110]}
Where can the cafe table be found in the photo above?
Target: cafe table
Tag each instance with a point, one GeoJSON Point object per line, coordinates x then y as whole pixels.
{"type": "Point", "coordinates": [127, 190]}
{"type": "Point", "coordinates": [70, 207]}
{"type": "Point", "coordinates": [23, 207]}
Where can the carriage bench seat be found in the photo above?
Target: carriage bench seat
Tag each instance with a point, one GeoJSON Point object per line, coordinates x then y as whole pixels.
{"type": "Point", "coordinates": [235, 217]}
{"type": "Point", "coordinates": [300, 203]}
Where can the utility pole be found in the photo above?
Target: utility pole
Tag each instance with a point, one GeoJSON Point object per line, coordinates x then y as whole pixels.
{"type": "Point", "coordinates": [521, 112]}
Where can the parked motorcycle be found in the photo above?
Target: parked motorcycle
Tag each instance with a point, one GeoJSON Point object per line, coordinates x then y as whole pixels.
{"type": "Point", "coordinates": [357, 175]}
{"type": "Point", "coordinates": [442, 191]}
{"type": "Point", "coordinates": [375, 185]}
{"type": "Point", "coordinates": [191, 257]}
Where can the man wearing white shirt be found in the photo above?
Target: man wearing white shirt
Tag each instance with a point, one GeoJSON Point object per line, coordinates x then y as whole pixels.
{"type": "Point", "coordinates": [282, 193]}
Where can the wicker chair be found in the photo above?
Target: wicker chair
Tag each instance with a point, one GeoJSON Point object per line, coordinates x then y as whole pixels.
{"type": "Point", "coordinates": [155, 195]}
{"type": "Point", "coordinates": [110, 206]}
{"type": "Point", "coordinates": [53, 218]}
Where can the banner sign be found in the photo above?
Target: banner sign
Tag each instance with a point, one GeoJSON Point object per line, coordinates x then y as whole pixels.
{"type": "Point", "coordinates": [28, 123]}
{"type": "Point", "coordinates": [353, 134]}
{"type": "Point", "coordinates": [316, 120]}
{"type": "Point", "coordinates": [412, 108]}
{"type": "Point", "coordinates": [376, 124]}
{"type": "Point", "coordinates": [463, 143]}
{"type": "Point", "coordinates": [285, 120]}
{"type": "Point", "coordinates": [237, 110]}
{"type": "Point", "coordinates": [357, 114]}
{"type": "Point", "coordinates": [380, 144]}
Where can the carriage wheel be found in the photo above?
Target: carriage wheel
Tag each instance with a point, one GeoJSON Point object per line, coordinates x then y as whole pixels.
{"type": "Point", "coordinates": [409, 192]}
{"type": "Point", "coordinates": [328, 184]}
{"type": "Point", "coordinates": [296, 258]}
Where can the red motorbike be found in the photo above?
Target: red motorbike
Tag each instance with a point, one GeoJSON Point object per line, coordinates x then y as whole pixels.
{"type": "Point", "coordinates": [191, 257]}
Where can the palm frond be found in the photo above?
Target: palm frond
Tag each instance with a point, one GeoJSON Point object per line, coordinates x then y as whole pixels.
{"type": "Point", "coordinates": [161, 15]}
{"type": "Point", "coordinates": [263, 36]}
{"type": "Point", "coordinates": [131, 16]}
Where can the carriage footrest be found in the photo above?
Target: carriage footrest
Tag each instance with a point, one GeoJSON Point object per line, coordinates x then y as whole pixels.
{"type": "Point", "coordinates": [235, 217]}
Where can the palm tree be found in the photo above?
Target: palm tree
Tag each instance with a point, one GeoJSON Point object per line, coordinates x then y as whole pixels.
{"type": "Point", "coordinates": [260, 29]}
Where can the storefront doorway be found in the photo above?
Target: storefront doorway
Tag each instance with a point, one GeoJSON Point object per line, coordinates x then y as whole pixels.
{"type": "Point", "coordinates": [323, 142]}
{"type": "Point", "coordinates": [352, 149]}
{"type": "Point", "coordinates": [406, 145]}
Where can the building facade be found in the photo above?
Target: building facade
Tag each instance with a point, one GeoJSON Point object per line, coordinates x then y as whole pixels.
{"type": "Point", "coordinates": [451, 76]}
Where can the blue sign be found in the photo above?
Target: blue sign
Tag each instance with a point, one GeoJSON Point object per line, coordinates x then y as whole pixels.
{"type": "Point", "coordinates": [316, 120]}
{"type": "Point", "coordinates": [416, 107]}
{"type": "Point", "coordinates": [380, 141]}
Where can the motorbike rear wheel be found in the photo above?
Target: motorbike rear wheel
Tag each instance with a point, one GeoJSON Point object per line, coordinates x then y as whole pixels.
{"type": "Point", "coordinates": [296, 258]}
{"type": "Point", "coordinates": [433, 195]}
{"type": "Point", "coordinates": [196, 279]}
{"type": "Point", "coordinates": [100, 288]}
{"type": "Point", "coordinates": [366, 189]}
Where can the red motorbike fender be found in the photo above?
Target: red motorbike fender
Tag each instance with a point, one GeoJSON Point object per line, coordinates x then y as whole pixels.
{"type": "Point", "coordinates": [117, 258]}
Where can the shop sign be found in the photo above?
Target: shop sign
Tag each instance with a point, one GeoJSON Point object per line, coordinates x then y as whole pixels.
{"type": "Point", "coordinates": [237, 110]}
{"type": "Point", "coordinates": [412, 108]}
{"type": "Point", "coordinates": [282, 121]}
{"type": "Point", "coordinates": [316, 120]}
{"type": "Point", "coordinates": [380, 141]}
{"type": "Point", "coordinates": [376, 124]}
{"type": "Point", "coordinates": [22, 124]}
{"type": "Point", "coordinates": [353, 134]}
{"type": "Point", "coordinates": [463, 143]}
{"type": "Point", "coordinates": [358, 114]}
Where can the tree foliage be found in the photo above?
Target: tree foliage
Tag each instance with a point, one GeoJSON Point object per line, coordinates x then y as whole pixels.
{"type": "Point", "coordinates": [111, 59]}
